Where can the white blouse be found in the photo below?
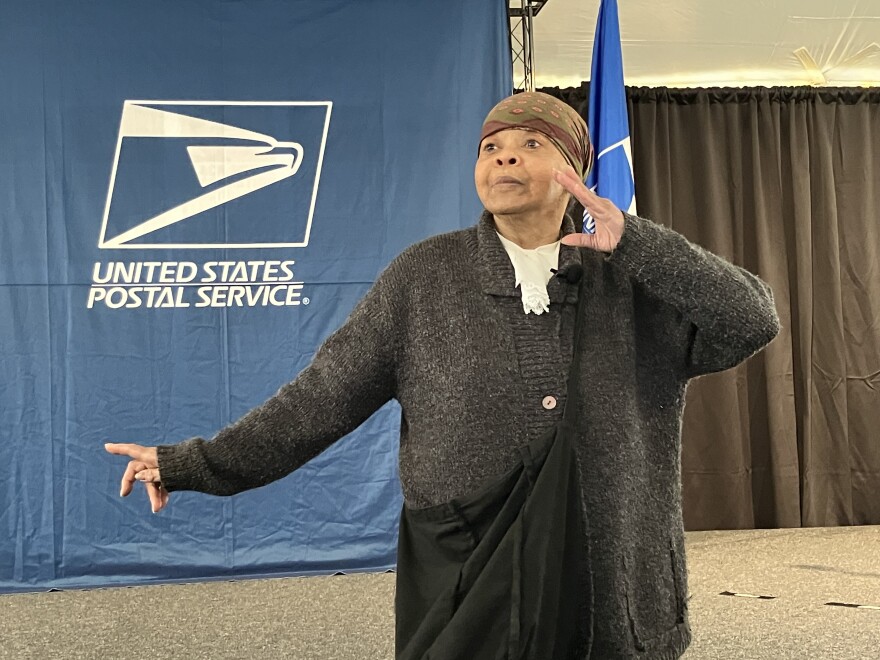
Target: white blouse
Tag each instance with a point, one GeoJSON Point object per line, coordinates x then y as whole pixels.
{"type": "Point", "coordinates": [532, 269]}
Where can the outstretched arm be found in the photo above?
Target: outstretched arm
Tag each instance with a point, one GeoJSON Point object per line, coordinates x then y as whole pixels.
{"type": "Point", "coordinates": [352, 375]}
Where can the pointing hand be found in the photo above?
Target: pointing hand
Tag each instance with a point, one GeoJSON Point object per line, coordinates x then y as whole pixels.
{"type": "Point", "coordinates": [143, 467]}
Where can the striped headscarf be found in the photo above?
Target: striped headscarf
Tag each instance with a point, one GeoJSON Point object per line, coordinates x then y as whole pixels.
{"type": "Point", "coordinates": [541, 112]}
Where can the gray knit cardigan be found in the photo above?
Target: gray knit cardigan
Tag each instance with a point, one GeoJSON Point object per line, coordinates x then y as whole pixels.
{"type": "Point", "coordinates": [443, 331]}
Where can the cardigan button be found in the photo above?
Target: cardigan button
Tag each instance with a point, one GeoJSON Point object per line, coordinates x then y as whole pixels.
{"type": "Point", "coordinates": [549, 402]}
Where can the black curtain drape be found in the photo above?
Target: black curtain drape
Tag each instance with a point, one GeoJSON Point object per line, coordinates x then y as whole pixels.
{"type": "Point", "coordinates": [786, 183]}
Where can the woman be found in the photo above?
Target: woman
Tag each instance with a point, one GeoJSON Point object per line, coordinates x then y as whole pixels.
{"type": "Point", "coordinates": [533, 526]}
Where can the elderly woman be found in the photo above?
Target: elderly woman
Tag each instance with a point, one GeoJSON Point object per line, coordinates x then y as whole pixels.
{"type": "Point", "coordinates": [541, 375]}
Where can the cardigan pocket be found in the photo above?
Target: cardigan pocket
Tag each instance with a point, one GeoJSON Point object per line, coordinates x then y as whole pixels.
{"type": "Point", "coordinates": [654, 593]}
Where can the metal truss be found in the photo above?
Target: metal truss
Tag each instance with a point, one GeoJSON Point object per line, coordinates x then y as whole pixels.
{"type": "Point", "coordinates": [521, 14]}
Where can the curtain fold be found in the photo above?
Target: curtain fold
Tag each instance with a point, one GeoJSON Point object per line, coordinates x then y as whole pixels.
{"type": "Point", "coordinates": [786, 183]}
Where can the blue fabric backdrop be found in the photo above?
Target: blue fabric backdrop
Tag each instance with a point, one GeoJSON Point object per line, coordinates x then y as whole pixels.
{"type": "Point", "coordinates": [112, 116]}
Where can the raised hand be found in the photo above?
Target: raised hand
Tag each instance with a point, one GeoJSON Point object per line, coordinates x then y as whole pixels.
{"type": "Point", "coordinates": [143, 467]}
{"type": "Point", "coordinates": [609, 218]}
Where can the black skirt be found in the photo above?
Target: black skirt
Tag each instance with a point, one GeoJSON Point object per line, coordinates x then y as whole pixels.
{"type": "Point", "coordinates": [500, 573]}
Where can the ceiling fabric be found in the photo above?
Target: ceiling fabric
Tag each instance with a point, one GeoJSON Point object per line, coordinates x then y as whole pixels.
{"type": "Point", "coordinates": [685, 43]}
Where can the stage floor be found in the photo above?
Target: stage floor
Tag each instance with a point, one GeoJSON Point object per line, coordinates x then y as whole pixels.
{"type": "Point", "coordinates": [351, 617]}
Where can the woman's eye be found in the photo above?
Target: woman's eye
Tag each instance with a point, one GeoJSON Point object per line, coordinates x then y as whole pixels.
{"type": "Point", "coordinates": [488, 147]}
{"type": "Point", "coordinates": [532, 143]}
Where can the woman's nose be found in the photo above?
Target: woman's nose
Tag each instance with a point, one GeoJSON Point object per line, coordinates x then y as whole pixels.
{"type": "Point", "coordinates": [506, 160]}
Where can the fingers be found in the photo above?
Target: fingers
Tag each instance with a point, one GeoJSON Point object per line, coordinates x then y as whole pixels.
{"type": "Point", "coordinates": [153, 494]}
{"type": "Point", "coordinates": [599, 207]}
{"type": "Point", "coordinates": [137, 471]}
{"type": "Point", "coordinates": [148, 475]}
{"type": "Point", "coordinates": [145, 468]}
{"type": "Point", "coordinates": [144, 458]}
{"type": "Point", "coordinates": [578, 239]}
{"type": "Point", "coordinates": [158, 496]}
{"type": "Point", "coordinates": [137, 452]}
{"type": "Point", "coordinates": [128, 477]}
{"type": "Point", "coordinates": [152, 480]}
{"type": "Point", "coordinates": [569, 180]}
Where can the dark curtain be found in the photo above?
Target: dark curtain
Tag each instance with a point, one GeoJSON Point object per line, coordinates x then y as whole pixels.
{"type": "Point", "coordinates": [786, 183]}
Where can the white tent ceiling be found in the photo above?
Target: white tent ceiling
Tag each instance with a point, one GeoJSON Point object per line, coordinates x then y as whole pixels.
{"type": "Point", "coordinates": [690, 43]}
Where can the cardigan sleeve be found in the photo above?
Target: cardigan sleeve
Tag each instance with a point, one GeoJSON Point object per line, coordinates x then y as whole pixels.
{"type": "Point", "coordinates": [727, 313]}
{"type": "Point", "coordinates": [351, 376]}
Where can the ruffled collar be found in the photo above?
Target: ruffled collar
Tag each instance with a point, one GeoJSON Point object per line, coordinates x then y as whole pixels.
{"type": "Point", "coordinates": [533, 269]}
{"type": "Point", "coordinates": [495, 270]}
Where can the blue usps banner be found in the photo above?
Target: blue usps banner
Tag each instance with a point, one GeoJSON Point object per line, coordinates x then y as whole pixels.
{"type": "Point", "coordinates": [193, 161]}
{"type": "Point", "coordinates": [192, 197]}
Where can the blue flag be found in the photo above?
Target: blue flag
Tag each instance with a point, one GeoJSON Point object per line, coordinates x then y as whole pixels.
{"type": "Point", "coordinates": [612, 173]}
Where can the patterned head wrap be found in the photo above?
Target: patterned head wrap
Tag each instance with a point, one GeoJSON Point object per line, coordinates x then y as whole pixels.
{"type": "Point", "coordinates": [541, 112]}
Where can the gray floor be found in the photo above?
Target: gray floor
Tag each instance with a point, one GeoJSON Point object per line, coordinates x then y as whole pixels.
{"type": "Point", "coordinates": [351, 617]}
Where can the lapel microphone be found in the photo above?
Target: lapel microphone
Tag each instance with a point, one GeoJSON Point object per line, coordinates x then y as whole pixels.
{"type": "Point", "coordinates": [571, 273]}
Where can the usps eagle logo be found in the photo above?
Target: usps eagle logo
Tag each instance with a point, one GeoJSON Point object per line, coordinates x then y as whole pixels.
{"type": "Point", "coordinates": [197, 174]}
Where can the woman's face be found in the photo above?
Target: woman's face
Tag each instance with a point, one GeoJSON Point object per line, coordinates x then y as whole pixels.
{"type": "Point", "coordinates": [514, 173]}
